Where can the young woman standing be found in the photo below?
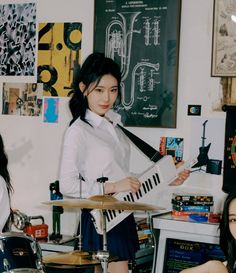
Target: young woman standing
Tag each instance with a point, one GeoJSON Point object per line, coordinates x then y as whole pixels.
{"type": "Point", "coordinates": [94, 147]}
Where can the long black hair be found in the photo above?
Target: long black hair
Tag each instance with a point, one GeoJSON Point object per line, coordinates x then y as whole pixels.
{"type": "Point", "coordinates": [4, 167]}
{"type": "Point", "coordinates": [6, 176]}
{"type": "Point", "coordinates": [227, 241]}
{"type": "Point", "coordinates": [93, 69]}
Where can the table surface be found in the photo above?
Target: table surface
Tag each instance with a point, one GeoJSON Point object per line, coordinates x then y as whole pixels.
{"type": "Point", "coordinates": [165, 221]}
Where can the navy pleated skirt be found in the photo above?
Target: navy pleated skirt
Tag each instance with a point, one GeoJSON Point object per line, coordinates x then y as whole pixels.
{"type": "Point", "coordinates": [122, 240]}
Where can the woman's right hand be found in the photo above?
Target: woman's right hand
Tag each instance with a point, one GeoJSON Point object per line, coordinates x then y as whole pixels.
{"type": "Point", "coordinates": [127, 184]}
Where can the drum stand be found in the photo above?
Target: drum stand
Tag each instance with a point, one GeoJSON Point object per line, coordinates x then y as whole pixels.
{"type": "Point", "coordinates": [103, 255]}
{"type": "Point", "coordinates": [79, 237]}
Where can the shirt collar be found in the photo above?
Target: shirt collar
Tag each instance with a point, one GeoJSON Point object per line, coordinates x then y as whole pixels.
{"type": "Point", "coordinates": [95, 120]}
{"type": "Point", "coordinates": [114, 117]}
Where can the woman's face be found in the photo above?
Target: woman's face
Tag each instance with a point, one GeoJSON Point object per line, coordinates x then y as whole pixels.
{"type": "Point", "coordinates": [232, 217]}
{"type": "Point", "coordinates": [102, 97]}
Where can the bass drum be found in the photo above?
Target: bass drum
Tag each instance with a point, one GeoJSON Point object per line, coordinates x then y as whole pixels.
{"type": "Point", "coordinates": [19, 253]}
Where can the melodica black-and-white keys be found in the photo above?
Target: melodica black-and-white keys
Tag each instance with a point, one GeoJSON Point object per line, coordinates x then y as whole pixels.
{"type": "Point", "coordinates": [154, 179]}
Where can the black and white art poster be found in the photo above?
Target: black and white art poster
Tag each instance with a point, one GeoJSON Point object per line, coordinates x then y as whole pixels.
{"type": "Point", "coordinates": [17, 39]}
{"type": "Point", "coordinates": [143, 37]}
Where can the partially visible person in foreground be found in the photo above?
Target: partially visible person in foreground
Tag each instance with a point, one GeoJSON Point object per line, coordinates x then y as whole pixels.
{"type": "Point", "coordinates": [227, 241]}
{"type": "Point", "coordinates": [5, 189]}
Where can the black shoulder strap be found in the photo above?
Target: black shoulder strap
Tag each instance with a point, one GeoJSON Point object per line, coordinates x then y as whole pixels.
{"type": "Point", "coordinates": [148, 150]}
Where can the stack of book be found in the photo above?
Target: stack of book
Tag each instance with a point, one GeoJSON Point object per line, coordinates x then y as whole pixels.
{"type": "Point", "coordinates": [184, 205]}
{"type": "Point", "coordinates": [144, 233]}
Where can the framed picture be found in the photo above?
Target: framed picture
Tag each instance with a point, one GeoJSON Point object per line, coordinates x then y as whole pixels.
{"type": "Point", "coordinates": [143, 37]}
{"type": "Point", "coordinates": [224, 35]}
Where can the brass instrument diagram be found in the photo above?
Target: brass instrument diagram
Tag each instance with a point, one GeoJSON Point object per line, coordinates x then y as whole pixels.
{"type": "Point", "coordinates": [119, 38]}
{"type": "Point", "coordinates": [152, 31]}
{"type": "Point", "coordinates": [142, 37]}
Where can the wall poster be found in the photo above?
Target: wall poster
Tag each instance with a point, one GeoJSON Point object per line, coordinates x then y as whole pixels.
{"type": "Point", "coordinates": [51, 109]}
{"type": "Point", "coordinates": [17, 39]}
{"type": "Point", "coordinates": [143, 37]}
{"type": "Point", "coordinates": [59, 57]}
{"type": "Point", "coordinates": [22, 99]}
{"type": "Point", "coordinates": [173, 146]}
{"type": "Point", "coordinates": [224, 35]}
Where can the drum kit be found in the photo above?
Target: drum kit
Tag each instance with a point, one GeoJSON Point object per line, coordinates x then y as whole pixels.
{"type": "Point", "coordinates": [25, 255]}
{"type": "Point", "coordinates": [19, 253]}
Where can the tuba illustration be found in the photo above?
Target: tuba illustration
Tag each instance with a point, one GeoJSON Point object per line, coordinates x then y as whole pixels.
{"type": "Point", "coordinates": [141, 80]}
{"type": "Point", "coordinates": [118, 44]}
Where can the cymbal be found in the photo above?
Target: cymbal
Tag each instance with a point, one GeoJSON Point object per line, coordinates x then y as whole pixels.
{"type": "Point", "coordinates": [110, 202]}
{"type": "Point", "coordinates": [73, 203]}
{"type": "Point", "coordinates": [103, 202]}
{"type": "Point", "coordinates": [76, 257]}
{"type": "Point", "coordinates": [73, 258]}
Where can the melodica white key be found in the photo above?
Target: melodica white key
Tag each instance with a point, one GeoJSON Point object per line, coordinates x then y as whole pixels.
{"type": "Point", "coordinates": [155, 177]}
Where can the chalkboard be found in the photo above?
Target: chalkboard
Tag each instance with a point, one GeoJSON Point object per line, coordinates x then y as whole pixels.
{"type": "Point", "coordinates": [143, 37]}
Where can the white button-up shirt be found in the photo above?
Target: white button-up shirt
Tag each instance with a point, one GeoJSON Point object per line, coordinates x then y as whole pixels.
{"type": "Point", "coordinates": [92, 152]}
{"type": "Point", "coordinates": [4, 203]}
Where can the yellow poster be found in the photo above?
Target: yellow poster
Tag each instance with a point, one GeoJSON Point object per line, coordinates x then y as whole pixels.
{"type": "Point", "coordinates": [59, 58]}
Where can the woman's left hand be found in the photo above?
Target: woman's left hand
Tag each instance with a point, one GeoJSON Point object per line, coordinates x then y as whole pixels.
{"type": "Point", "coordinates": [182, 176]}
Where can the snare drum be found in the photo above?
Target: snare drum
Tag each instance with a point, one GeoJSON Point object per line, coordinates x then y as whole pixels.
{"type": "Point", "coordinates": [19, 253]}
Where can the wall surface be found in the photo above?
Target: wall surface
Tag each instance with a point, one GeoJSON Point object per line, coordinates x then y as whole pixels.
{"type": "Point", "coordinates": [34, 147]}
